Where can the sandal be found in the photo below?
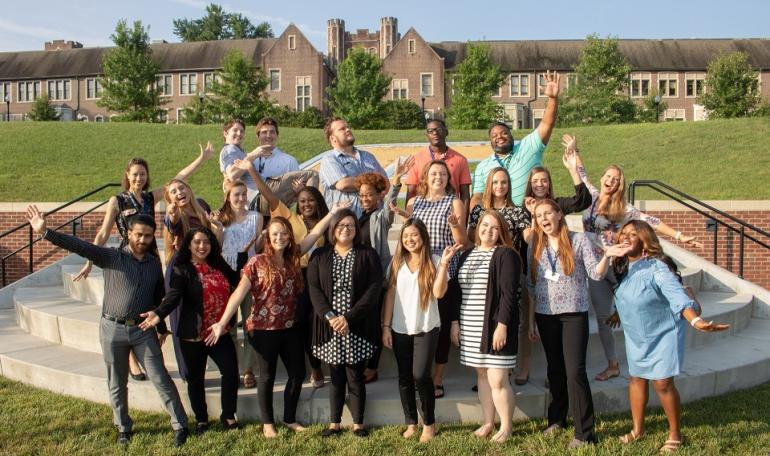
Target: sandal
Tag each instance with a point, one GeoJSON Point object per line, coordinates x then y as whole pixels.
{"type": "Point", "coordinates": [630, 437]}
{"type": "Point", "coordinates": [607, 374]}
{"type": "Point", "coordinates": [671, 446]}
{"type": "Point", "coordinates": [249, 381]}
{"type": "Point", "coordinates": [438, 391]}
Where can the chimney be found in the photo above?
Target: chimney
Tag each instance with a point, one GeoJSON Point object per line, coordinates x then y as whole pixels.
{"type": "Point", "coordinates": [59, 45]}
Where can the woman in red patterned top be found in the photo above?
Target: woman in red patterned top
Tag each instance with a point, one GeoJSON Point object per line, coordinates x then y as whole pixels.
{"type": "Point", "coordinates": [275, 281]}
{"type": "Point", "coordinates": [201, 282]}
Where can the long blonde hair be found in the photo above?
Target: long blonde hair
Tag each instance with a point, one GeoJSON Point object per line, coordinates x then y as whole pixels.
{"type": "Point", "coordinates": [615, 210]}
{"type": "Point", "coordinates": [194, 210]}
{"type": "Point", "coordinates": [488, 198]}
{"type": "Point", "coordinates": [427, 270]}
{"type": "Point", "coordinates": [540, 241]}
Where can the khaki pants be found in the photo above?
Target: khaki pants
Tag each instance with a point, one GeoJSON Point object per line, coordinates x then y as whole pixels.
{"type": "Point", "coordinates": [282, 188]}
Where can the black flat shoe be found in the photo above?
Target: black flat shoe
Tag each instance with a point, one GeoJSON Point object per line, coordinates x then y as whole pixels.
{"type": "Point", "coordinates": [328, 432]}
{"type": "Point", "coordinates": [229, 426]}
{"type": "Point", "coordinates": [200, 428]}
{"type": "Point", "coordinates": [363, 432]}
{"type": "Point", "coordinates": [180, 437]}
{"type": "Point", "coordinates": [521, 381]}
{"type": "Point", "coordinates": [140, 377]}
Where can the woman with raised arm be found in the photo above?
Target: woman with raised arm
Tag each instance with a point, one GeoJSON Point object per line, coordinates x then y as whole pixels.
{"type": "Point", "coordinates": [559, 263]}
{"type": "Point", "coordinates": [136, 198]}
{"type": "Point", "coordinates": [275, 281]}
{"type": "Point", "coordinates": [242, 228]}
{"type": "Point", "coordinates": [311, 208]}
{"type": "Point", "coordinates": [442, 212]}
{"type": "Point", "coordinates": [345, 279]}
{"type": "Point", "coordinates": [602, 220]}
{"type": "Point", "coordinates": [486, 326]}
{"type": "Point", "coordinates": [655, 311]}
{"type": "Point", "coordinates": [201, 282]}
{"type": "Point", "coordinates": [410, 321]}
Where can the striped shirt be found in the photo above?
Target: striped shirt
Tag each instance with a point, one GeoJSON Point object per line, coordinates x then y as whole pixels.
{"type": "Point", "coordinates": [131, 286]}
{"type": "Point", "coordinates": [526, 154]}
{"type": "Point", "coordinates": [336, 165]}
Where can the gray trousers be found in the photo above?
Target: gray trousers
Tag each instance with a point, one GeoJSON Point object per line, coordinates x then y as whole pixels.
{"type": "Point", "coordinates": [282, 187]}
{"type": "Point", "coordinates": [602, 299]}
{"type": "Point", "coordinates": [117, 341]}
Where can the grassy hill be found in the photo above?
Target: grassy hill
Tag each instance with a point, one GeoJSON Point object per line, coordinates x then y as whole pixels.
{"type": "Point", "coordinates": [720, 159]}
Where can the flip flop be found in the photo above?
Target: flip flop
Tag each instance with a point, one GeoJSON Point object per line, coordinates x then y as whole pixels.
{"type": "Point", "coordinates": [605, 375]}
{"type": "Point", "coordinates": [438, 392]}
{"type": "Point", "coordinates": [671, 446]}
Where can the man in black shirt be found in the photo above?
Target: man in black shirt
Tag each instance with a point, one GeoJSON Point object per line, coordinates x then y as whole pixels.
{"type": "Point", "coordinates": [133, 283]}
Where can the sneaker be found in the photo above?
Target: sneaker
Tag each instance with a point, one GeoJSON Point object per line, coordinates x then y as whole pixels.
{"type": "Point", "coordinates": [552, 430]}
{"type": "Point", "coordinates": [124, 437]}
{"type": "Point", "coordinates": [180, 436]}
{"type": "Point", "coordinates": [575, 443]}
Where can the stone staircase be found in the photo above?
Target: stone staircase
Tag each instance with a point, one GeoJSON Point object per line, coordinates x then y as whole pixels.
{"type": "Point", "coordinates": [49, 339]}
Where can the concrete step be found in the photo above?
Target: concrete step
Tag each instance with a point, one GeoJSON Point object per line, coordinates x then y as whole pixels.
{"type": "Point", "coordinates": [743, 361]}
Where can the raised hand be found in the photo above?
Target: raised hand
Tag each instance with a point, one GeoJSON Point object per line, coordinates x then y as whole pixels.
{"type": "Point", "coordinates": [397, 210]}
{"type": "Point", "coordinates": [570, 159]}
{"type": "Point", "coordinates": [298, 184]}
{"type": "Point", "coordinates": [569, 142]}
{"type": "Point", "coordinates": [36, 219]}
{"type": "Point", "coordinates": [244, 165]}
{"type": "Point", "coordinates": [552, 89]}
{"type": "Point", "coordinates": [340, 206]}
{"type": "Point", "coordinates": [529, 203]}
{"type": "Point", "coordinates": [617, 250]}
{"type": "Point", "coordinates": [151, 319]}
{"type": "Point", "coordinates": [172, 210]}
{"type": "Point", "coordinates": [453, 220]}
{"type": "Point", "coordinates": [450, 252]}
{"type": "Point", "coordinates": [208, 152]}
{"type": "Point", "coordinates": [403, 166]}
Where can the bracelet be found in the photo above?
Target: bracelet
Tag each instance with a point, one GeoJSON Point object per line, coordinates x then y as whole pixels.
{"type": "Point", "coordinates": [678, 235]}
{"type": "Point", "coordinates": [386, 326]}
{"type": "Point", "coordinates": [695, 320]}
{"type": "Point", "coordinates": [441, 263]}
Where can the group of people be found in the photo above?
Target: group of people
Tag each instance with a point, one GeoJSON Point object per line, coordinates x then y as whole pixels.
{"type": "Point", "coordinates": [484, 262]}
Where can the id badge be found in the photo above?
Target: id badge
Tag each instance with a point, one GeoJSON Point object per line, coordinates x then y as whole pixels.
{"type": "Point", "coordinates": [552, 276]}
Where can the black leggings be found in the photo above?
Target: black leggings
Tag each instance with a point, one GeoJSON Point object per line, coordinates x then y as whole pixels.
{"type": "Point", "coordinates": [223, 354]}
{"type": "Point", "coordinates": [269, 345]}
{"type": "Point", "coordinates": [414, 357]}
{"type": "Point", "coordinates": [305, 312]}
{"type": "Point", "coordinates": [351, 375]}
{"type": "Point", "coordinates": [565, 340]}
{"type": "Point", "coordinates": [447, 307]}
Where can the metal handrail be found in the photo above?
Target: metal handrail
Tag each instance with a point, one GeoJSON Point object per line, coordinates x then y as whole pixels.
{"type": "Point", "coordinates": [33, 241]}
{"type": "Point", "coordinates": [690, 202]}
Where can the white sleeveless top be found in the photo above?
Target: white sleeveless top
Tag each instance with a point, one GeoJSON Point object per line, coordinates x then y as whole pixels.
{"type": "Point", "coordinates": [408, 316]}
{"type": "Point", "coordinates": [238, 235]}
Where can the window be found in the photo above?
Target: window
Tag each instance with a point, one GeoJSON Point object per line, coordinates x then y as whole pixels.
{"type": "Point", "coordinates": [541, 85]}
{"type": "Point", "coordinates": [412, 46]}
{"type": "Point", "coordinates": [426, 84]}
{"type": "Point", "coordinates": [303, 93]}
{"type": "Point", "coordinates": [537, 116]}
{"type": "Point", "coordinates": [400, 89]}
{"type": "Point", "coordinates": [275, 80]}
{"type": "Point", "coordinates": [373, 51]}
{"type": "Point", "coordinates": [499, 92]}
{"type": "Point", "coordinates": [28, 91]}
{"type": "Point", "coordinates": [98, 118]}
{"type": "Point", "coordinates": [640, 85]}
{"type": "Point", "coordinates": [59, 89]}
{"type": "Point", "coordinates": [208, 81]}
{"type": "Point", "coordinates": [519, 85]}
{"type": "Point", "coordinates": [693, 84]}
{"type": "Point", "coordinates": [5, 91]}
{"type": "Point", "coordinates": [162, 116]}
{"type": "Point", "coordinates": [667, 85]}
{"type": "Point", "coordinates": [93, 89]}
{"type": "Point", "coordinates": [164, 83]}
{"type": "Point", "coordinates": [188, 84]}
{"type": "Point", "coordinates": [292, 42]}
{"type": "Point", "coordinates": [674, 115]}
{"type": "Point", "coordinates": [180, 115]}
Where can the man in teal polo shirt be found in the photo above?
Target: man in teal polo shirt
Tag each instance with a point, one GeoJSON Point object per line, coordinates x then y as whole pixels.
{"type": "Point", "coordinates": [521, 157]}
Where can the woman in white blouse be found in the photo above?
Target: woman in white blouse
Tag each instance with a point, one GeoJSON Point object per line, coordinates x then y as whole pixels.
{"type": "Point", "coordinates": [411, 320]}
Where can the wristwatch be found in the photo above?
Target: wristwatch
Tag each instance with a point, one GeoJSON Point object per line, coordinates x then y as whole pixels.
{"type": "Point", "coordinates": [329, 315]}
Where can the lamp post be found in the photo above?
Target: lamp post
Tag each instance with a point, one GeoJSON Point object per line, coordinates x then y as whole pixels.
{"type": "Point", "coordinates": [657, 108]}
{"type": "Point", "coordinates": [201, 97]}
{"type": "Point", "coordinates": [7, 107]}
{"type": "Point", "coordinates": [424, 114]}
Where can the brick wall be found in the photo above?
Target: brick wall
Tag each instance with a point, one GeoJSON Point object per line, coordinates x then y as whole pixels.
{"type": "Point", "coordinates": [44, 252]}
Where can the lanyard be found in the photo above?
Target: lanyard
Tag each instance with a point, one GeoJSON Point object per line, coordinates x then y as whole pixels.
{"type": "Point", "coordinates": [507, 158]}
{"type": "Point", "coordinates": [261, 166]}
{"type": "Point", "coordinates": [551, 260]}
{"type": "Point", "coordinates": [433, 157]}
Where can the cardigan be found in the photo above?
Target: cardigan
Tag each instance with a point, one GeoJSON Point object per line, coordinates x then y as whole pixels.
{"type": "Point", "coordinates": [501, 303]}
{"type": "Point", "coordinates": [367, 286]}
{"type": "Point", "coordinates": [186, 289]}
{"type": "Point", "coordinates": [380, 221]}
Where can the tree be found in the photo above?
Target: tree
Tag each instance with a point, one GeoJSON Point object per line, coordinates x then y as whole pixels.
{"type": "Point", "coordinates": [238, 92]}
{"type": "Point", "coordinates": [475, 81]}
{"type": "Point", "coordinates": [220, 25]}
{"type": "Point", "coordinates": [357, 93]}
{"type": "Point", "coordinates": [402, 115]}
{"type": "Point", "coordinates": [601, 79]}
{"type": "Point", "coordinates": [731, 86]}
{"type": "Point", "coordinates": [128, 85]}
{"type": "Point", "coordinates": [42, 109]}
{"type": "Point", "coordinates": [650, 111]}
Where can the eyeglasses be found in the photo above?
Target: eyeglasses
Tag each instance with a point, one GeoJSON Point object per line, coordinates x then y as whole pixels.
{"type": "Point", "coordinates": [343, 226]}
{"type": "Point", "coordinates": [431, 131]}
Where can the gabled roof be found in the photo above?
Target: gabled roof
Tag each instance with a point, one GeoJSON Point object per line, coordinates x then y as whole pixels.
{"type": "Point", "coordinates": [199, 55]}
{"type": "Point", "coordinates": [643, 55]}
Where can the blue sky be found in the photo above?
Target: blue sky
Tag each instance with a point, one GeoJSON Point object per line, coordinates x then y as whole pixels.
{"type": "Point", "coordinates": [28, 27]}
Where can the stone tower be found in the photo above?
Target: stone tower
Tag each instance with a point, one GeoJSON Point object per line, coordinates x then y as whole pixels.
{"type": "Point", "coordinates": [335, 40]}
{"type": "Point", "coordinates": [388, 35]}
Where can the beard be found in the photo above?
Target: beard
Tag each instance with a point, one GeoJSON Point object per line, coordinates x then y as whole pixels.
{"type": "Point", "coordinates": [504, 149]}
{"type": "Point", "coordinates": [347, 142]}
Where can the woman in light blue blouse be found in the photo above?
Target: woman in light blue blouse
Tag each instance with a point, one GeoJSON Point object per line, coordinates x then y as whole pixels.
{"type": "Point", "coordinates": [559, 263]}
{"type": "Point", "coordinates": [653, 307]}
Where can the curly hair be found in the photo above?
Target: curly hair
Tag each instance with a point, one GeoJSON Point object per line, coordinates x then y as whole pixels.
{"type": "Point", "coordinates": [374, 180]}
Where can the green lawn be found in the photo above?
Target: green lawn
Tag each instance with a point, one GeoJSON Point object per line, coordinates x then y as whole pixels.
{"type": "Point", "coordinates": [34, 421]}
{"type": "Point", "coordinates": [720, 159]}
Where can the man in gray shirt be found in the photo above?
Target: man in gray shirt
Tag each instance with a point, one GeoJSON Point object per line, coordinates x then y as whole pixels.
{"type": "Point", "coordinates": [133, 283]}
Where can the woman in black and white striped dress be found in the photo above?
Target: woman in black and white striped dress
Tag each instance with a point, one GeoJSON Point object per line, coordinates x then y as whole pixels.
{"type": "Point", "coordinates": [487, 328]}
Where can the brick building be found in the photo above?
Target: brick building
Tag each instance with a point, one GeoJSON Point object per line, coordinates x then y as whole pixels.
{"type": "Point", "coordinates": [420, 71]}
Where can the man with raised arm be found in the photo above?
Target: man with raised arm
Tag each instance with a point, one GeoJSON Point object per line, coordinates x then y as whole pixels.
{"type": "Point", "coordinates": [133, 284]}
{"type": "Point", "coordinates": [518, 158]}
